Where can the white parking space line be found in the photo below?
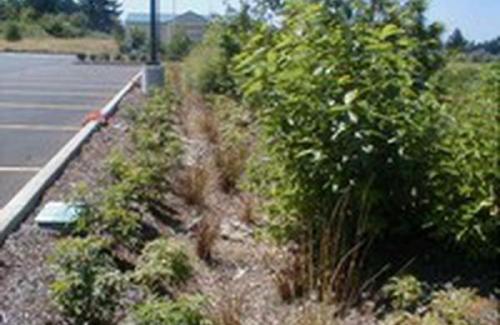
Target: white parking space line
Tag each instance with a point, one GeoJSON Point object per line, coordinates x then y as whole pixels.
{"type": "Point", "coordinates": [37, 127]}
{"type": "Point", "coordinates": [55, 93]}
{"type": "Point", "coordinates": [92, 82]}
{"type": "Point", "coordinates": [19, 169]}
{"type": "Point", "coordinates": [52, 86]}
{"type": "Point", "coordinates": [67, 107]}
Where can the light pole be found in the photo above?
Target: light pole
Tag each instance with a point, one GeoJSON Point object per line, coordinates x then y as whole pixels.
{"type": "Point", "coordinates": [154, 36]}
{"type": "Point", "coordinates": [153, 76]}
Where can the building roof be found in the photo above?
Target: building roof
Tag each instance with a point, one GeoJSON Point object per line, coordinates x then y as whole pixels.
{"type": "Point", "coordinates": [143, 18]}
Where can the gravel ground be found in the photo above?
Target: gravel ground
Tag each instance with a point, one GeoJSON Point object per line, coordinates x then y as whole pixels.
{"type": "Point", "coordinates": [24, 275]}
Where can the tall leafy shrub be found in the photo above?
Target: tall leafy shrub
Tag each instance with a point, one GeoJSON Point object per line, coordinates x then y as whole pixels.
{"type": "Point", "coordinates": [347, 105]}
{"type": "Point", "coordinates": [466, 180]}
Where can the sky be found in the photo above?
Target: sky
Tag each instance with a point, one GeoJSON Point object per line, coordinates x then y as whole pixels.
{"type": "Point", "coordinates": [479, 20]}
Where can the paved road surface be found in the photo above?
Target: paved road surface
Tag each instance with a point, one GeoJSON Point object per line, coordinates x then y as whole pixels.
{"type": "Point", "coordinates": [43, 101]}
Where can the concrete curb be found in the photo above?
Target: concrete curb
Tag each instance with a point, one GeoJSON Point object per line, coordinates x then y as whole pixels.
{"type": "Point", "coordinates": [14, 212]}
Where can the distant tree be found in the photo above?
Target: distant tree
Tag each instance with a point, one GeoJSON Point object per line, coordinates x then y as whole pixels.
{"type": "Point", "coordinates": [491, 47]}
{"type": "Point", "coordinates": [51, 6]}
{"type": "Point", "coordinates": [9, 8]}
{"type": "Point", "coordinates": [457, 41]}
{"type": "Point", "coordinates": [102, 14]}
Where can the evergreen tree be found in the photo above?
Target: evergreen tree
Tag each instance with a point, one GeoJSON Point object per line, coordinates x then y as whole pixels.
{"type": "Point", "coordinates": [456, 41]}
{"type": "Point", "coordinates": [102, 14]}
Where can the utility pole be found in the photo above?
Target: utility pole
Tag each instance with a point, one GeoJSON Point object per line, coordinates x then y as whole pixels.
{"type": "Point", "coordinates": [153, 74]}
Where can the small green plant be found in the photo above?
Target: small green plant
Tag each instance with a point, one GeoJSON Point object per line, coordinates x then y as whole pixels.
{"type": "Point", "coordinates": [12, 32]}
{"type": "Point", "coordinates": [162, 266]}
{"type": "Point", "coordinates": [87, 284]}
{"type": "Point", "coordinates": [403, 292]}
{"type": "Point", "coordinates": [93, 57]}
{"type": "Point", "coordinates": [185, 311]}
{"type": "Point", "coordinates": [113, 216]}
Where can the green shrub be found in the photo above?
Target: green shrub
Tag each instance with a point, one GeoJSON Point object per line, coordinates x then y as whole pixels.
{"type": "Point", "coordinates": [155, 133]}
{"type": "Point", "coordinates": [179, 46]}
{"type": "Point", "coordinates": [404, 292]}
{"type": "Point", "coordinates": [139, 178]}
{"type": "Point", "coordinates": [12, 32]}
{"type": "Point", "coordinates": [118, 57]}
{"type": "Point", "coordinates": [62, 26]}
{"type": "Point", "coordinates": [162, 266]}
{"type": "Point", "coordinates": [134, 41]}
{"type": "Point", "coordinates": [81, 57]}
{"type": "Point", "coordinates": [132, 57]}
{"type": "Point", "coordinates": [450, 306]}
{"type": "Point", "coordinates": [87, 286]}
{"type": "Point", "coordinates": [346, 106]}
{"type": "Point", "coordinates": [113, 211]}
{"type": "Point", "coordinates": [105, 57]}
{"type": "Point", "coordinates": [186, 311]}
{"type": "Point", "coordinates": [207, 67]}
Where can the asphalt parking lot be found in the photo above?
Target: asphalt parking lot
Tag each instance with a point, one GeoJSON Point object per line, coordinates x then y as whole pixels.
{"type": "Point", "coordinates": [43, 103]}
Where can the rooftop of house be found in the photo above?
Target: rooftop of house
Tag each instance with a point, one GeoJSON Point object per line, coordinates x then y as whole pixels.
{"type": "Point", "coordinates": [144, 18]}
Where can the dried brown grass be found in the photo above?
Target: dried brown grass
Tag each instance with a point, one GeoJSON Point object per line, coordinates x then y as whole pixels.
{"type": "Point", "coordinates": [231, 158]}
{"type": "Point", "coordinates": [315, 314]}
{"type": "Point", "coordinates": [61, 46]}
{"type": "Point", "coordinates": [327, 260]}
{"type": "Point", "coordinates": [248, 209]}
{"type": "Point", "coordinates": [228, 308]}
{"type": "Point", "coordinates": [207, 233]}
{"type": "Point", "coordinates": [192, 185]}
